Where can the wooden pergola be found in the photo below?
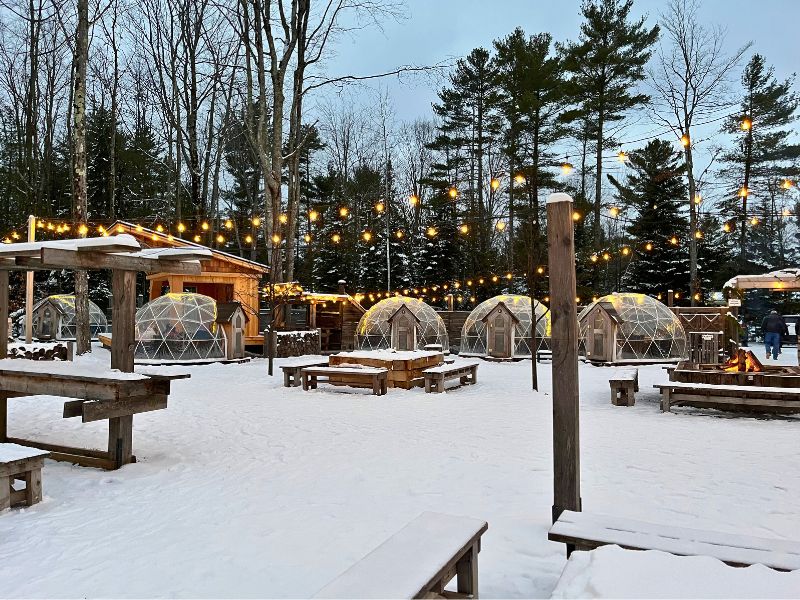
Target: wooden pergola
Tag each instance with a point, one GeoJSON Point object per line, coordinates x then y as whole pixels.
{"type": "Point", "coordinates": [121, 254]}
{"type": "Point", "coordinates": [784, 280]}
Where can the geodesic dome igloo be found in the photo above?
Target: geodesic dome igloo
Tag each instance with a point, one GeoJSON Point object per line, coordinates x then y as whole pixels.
{"type": "Point", "coordinates": [179, 327]}
{"type": "Point", "coordinates": [501, 327]}
{"type": "Point", "coordinates": [625, 326]}
{"type": "Point", "coordinates": [54, 318]}
{"type": "Point", "coordinates": [400, 323]}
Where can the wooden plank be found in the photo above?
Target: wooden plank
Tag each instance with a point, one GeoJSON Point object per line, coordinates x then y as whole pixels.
{"type": "Point", "coordinates": [58, 258]}
{"type": "Point", "coordinates": [120, 440]}
{"type": "Point", "coordinates": [3, 417]}
{"type": "Point", "coordinates": [33, 486]}
{"type": "Point", "coordinates": [123, 316]}
{"type": "Point", "coordinates": [73, 408]}
{"type": "Point", "coordinates": [3, 314]}
{"type": "Point", "coordinates": [108, 409]}
{"type": "Point", "coordinates": [59, 448]}
{"type": "Point", "coordinates": [20, 466]}
{"type": "Point", "coordinates": [25, 384]}
{"type": "Point", "coordinates": [5, 492]}
{"type": "Point", "coordinates": [564, 340]}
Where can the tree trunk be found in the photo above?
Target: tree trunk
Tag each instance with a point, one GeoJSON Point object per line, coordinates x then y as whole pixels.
{"type": "Point", "coordinates": [598, 190]}
{"type": "Point", "coordinates": [694, 283]}
{"type": "Point", "coordinates": [82, 334]}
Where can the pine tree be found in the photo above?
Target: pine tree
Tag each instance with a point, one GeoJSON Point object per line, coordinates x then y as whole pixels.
{"type": "Point", "coordinates": [763, 164]}
{"type": "Point", "coordinates": [653, 192]}
{"type": "Point", "coordinates": [605, 65]}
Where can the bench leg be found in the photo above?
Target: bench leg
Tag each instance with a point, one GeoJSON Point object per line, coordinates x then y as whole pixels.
{"type": "Point", "coordinates": [630, 395]}
{"type": "Point", "coordinates": [33, 486]}
{"type": "Point", "coordinates": [467, 572]}
{"type": "Point", "coordinates": [474, 375]}
{"type": "Point", "coordinates": [120, 440]}
{"type": "Point", "coordinates": [614, 396]}
{"type": "Point", "coordinates": [296, 380]}
{"type": "Point", "coordinates": [313, 382]}
{"type": "Point", "coordinates": [665, 399]}
{"type": "Point", "coordinates": [5, 492]}
{"type": "Point", "coordinates": [427, 385]}
{"type": "Point", "coordinates": [305, 381]}
{"type": "Point", "coordinates": [376, 386]}
{"type": "Point", "coordinates": [384, 386]}
{"type": "Point", "coordinates": [286, 379]}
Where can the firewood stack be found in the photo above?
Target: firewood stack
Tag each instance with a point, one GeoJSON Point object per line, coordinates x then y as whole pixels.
{"type": "Point", "coordinates": [57, 352]}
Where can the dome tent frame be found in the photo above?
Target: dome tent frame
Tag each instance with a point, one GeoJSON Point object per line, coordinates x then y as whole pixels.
{"type": "Point", "coordinates": [54, 318]}
{"type": "Point", "coordinates": [628, 327]}
{"type": "Point", "coordinates": [179, 328]}
{"type": "Point", "coordinates": [401, 323]}
{"type": "Point", "coordinates": [504, 319]}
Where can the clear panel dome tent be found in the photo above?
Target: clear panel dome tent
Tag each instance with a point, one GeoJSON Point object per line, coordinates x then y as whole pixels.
{"type": "Point", "coordinates": [400, 323]}
{"type": "Point", "coordinates": [54, 318]}
{"type": "Point", "coordinates": [501, 327]}
{"type": "Point", "coordinates": [179, 327]}
{"type": "Point", "coordinates": [630, 327]}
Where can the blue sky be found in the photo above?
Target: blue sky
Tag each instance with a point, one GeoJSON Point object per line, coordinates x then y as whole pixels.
{"type": "Point", "coordinates": [436, 30]}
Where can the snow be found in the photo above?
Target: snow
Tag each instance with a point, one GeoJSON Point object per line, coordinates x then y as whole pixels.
{"type": "Point", "coordinates": [390, 354]}
{"type": "Point", "coordinates": [12, 452]}
{"type": "Point", "coordinates": [559, 197]}
{"type": "Point", "coordinates": [73, 244]}
{"type": "Point", "coordinates": [732, 388]}
{"type": "Point", "coordinates": [297, 333]}
{"type": "Point", "coordinates": [75, 369]}
{"type": "Point", "coordinates": [611, 572]}
{"type": "Point", "coordinates": [244, 488]}
{"type": "Point", "coordinates": [446, 368]}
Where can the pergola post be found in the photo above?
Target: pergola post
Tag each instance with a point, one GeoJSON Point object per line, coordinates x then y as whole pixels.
{"type": "Point", "coordinates": [3, 314]}
{"type": "Point", "coordinates": [564, 315]}
{"type": "Point", "coordinates": [123, 316]}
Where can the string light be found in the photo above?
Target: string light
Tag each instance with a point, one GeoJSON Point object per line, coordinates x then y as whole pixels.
{"type": "Point", "coordinates": [685, 140]}
{"type": "Point", "coordinates": [673, 240]}
{"type": "Point", "coordinates": [519, 178]}
{"type": "Point", "coordinates": [336, 238]}
{"type": "Point", "coordinates": [576, 216]}
{"type": "Point", "coordinates": [413, 200]}
{"type": "Point", "coordinates": [648, 246]}
{"type": "Point", "coordinates": [566, 168]}
{"type": "Point", "coordinates": [453, 192]}
{"type": "Point", "coordinates": [606, 256]}
{"type": "Point", "coordinates": [367, 236]}
{"type": "Point", "coordinates": [698, 198]}
{"type": "Point", "coordinates": [313, 215]}
{"type": "Point", "coordinates": [344, 211]}
{"type": "Point", "coordinates": [220, 239]}
{"type": "Point", "coordinates": [614, 211]}
{"type": "Point", "coordinates": [256, 221]}
{"type": "Point", "coordinates": [159, 229]}
{"type": "Point", "coordinates": [500, 225]}
{"type": "Point", "coordinates": [399, 234]}
{"type": "Point", "coordinates": [594, 258]}
{"type": "Point", "coordinates": [464, 228]}
{"type": "Point", "coordinates": [746, 124]}
{"type": "Point", "coordinates": [276, 239]}
{"type": "Point", "coordinates": [622, 156]}
{"type": "Point", "coordinates": [379, 207]}
{"type": "Point", "coordinates": [754, 221]}
{"type": "Point", "coordinates": [787, 183]}
{"type": "Point", "coordinates": [83, 229]}
{"type": "Point", "coordinates": [509, 276]}
{"type": "Point", "coordinates": [540, 270]}
{"type": "Point", "coordinates": [204, 226]}
{"type": "Point", "coordinates": [283, 218]}
{"type": "Point", "coordinates": [726, 227]}
{"type": "Point", "coordinates": [248, 239]}
{"type": "Point", "coordinates": [494, 183]}
{"type": "Point", "coordinates": [744, 192]}
{"type": "Point", "coordinates": [307, 238]}
{"type": "Point", "coordinates": [431, 232]}
{"type": "Point", "coordinates": [495, 278]}
{"type": "Point", "coordinates": [626, 251]}
{"type": "Point", "coordinates": [698, 234]}
{"type": "Point", "coordinates": [181, 227]}
{"type": "Point", "coordinates": [197, 239]}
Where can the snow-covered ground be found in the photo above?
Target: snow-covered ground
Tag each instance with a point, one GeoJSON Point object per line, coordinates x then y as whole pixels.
{"type": "Point", "coordinates": [246, 488]}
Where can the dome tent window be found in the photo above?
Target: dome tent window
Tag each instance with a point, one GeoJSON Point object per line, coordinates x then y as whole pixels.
{"type": "Point", "coordinates": [179, 327]}
{"type": "Point", "coordinates": [500, 327]}
{"type": "Point", "coordinates": [400, 323]}
{"type": "Point", "coordinates": [54, 318]}
{"type": "Point", "coordinates": [630, 327]}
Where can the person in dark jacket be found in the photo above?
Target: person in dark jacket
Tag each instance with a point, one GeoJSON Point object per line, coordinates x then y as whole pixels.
{"type": "Point", "coordinates": [773, 327]}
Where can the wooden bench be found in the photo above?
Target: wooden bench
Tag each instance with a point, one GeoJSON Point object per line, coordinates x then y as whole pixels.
{"type": "Point", "coordinates": [466, 372]}
{"type": "Point", "coordinates": [22, 464]}
{"type": "Point", "coordinates": [373, 378]}
{"type": "Point", "coordinates": [730, 397]}
{"type": "Point", "coordinates": [586, 531]}
{"type": "Point", "coordinates": [417, 562]}
{"type": "Point", "coordinates": [291, 370]}
{"type": "Point", "coordinates": [544, 355]}
{"type": "Point", "coordinates": [624, 382]}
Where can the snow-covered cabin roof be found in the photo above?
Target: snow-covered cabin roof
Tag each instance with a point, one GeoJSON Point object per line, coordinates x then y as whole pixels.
{"type": "Point", "coordinates": [788, 279]}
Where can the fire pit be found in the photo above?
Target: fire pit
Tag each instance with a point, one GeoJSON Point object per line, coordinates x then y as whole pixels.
{"type": "Point", "coordinates": [743, 368]}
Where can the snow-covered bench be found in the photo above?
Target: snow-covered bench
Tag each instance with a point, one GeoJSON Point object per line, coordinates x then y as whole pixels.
{"type": "Point", "coordinates": [624, 382]}
{"type": "Point", "coordinates": [291, 370]}
{"type": "Point", "coordinates": [418, 561]}
{"type": "Point", "coordinates": [374, 378]}
{"type": "Point", "coordinates": [727, 397]}
{"type": "Point", "coordinates": [586, 531]}
{"type": "Point", "coordinates": [23, 464]}
{"type": "Point", "coordinates": [435, 377]}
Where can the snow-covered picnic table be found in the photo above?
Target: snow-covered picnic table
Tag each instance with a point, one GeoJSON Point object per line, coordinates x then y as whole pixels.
{"type": "Point", "coordinates": [98, 394]}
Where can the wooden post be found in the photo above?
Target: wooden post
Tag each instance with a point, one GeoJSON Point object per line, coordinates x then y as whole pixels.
{"type": "Point", "coordinates": [120, 439]}
{"type": "Point", "coordinates": [3, 314]}
{"type": "Point", "coordinates": [564, 315]}
{"type": "Point", "coordinates": [123, 317]}
{"type": "Point", "coordinates": [670, 298]}
{"type": "Point", "coordinates": [29, 286]}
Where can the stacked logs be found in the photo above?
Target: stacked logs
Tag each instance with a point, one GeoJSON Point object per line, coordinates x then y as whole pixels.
{"type": "Point", "coordinates": [55, 352]}
{"type": "Point", "coordinates": [297, 343]}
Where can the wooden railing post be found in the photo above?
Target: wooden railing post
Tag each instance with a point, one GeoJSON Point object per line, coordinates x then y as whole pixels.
{"type": "Point", "coordinates": [123, 317]}
{"type": "Point", "coordinates": [564, 315]}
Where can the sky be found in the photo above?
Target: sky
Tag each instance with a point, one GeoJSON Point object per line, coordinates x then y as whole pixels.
{"type": "Point", "coordinates": [438, 30]}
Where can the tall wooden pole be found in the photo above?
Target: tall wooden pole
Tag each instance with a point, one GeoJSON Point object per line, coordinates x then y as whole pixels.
{"type": "Point", "coordinates": [123, 317]}
{"type": "Point", "coordinates": [29, 286]}
{"type": "Point", "coordinates": [564, 314]}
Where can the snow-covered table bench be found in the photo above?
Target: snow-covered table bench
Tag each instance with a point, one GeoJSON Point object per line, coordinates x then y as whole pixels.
{"type": "Point", "coordinates": [22, 464]}
{"type": "Point", "coordinates": [727, 397]}
{"type": "Point", "coordinates": [373, 378]}
{"type": "Point", "coordinates": [624, 382]}
{"type": "Point", "coordinates": [586, 531]}
{"type": "Point", "coordinates": [99, 395]}
{"type": "Point", "coordinates": [291, 370]}
{"type": "Point", "coordinates": [435, 377]}
{"type": "Point", "coordinates": [417, 562]}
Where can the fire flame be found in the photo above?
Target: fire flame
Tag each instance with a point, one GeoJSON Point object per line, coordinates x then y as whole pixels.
{"type": "Point", "coordinates": [744, 361]}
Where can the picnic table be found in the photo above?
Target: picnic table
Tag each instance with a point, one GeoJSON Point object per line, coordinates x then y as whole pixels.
{"type": "Point", "coordinates": [97, 394]}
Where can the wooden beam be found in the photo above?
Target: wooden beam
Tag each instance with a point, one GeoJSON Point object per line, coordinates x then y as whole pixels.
{"type": "Point", "coordinates": [563, 310]}
{"type": "Point", "coordinates": [108, 409]}
{"type": "Point", "coordinates": [3, 314]}
{"type": "Point", "coordinates": [57, 258]}
{"type": "Point", "coordinates": [123, 317]}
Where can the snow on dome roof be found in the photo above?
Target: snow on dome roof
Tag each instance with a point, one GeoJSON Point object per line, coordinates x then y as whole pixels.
{"type": "Point", "coordinates": [473, 334]}
{"type": "Point", "coordinates": [374, 331]}
{"type": "Point", "coordinates": [646, 330]}
{"type": "Point", "coordinates": [179, 327]}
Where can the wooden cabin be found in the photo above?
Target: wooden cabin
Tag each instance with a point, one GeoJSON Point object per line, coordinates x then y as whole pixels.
{"type": "Point", "coordinates": [404, 324]}
{"type": "Point", "coordinates": [501, 324]}
{"type": "Point", "coordinates": [601, 337]}
{"type": "Point", "coordinates": [225, 278]}
{"type": "Point", "coordinates": [336, 315]}
{"type": "Point", "coordinates": [233, 320]}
